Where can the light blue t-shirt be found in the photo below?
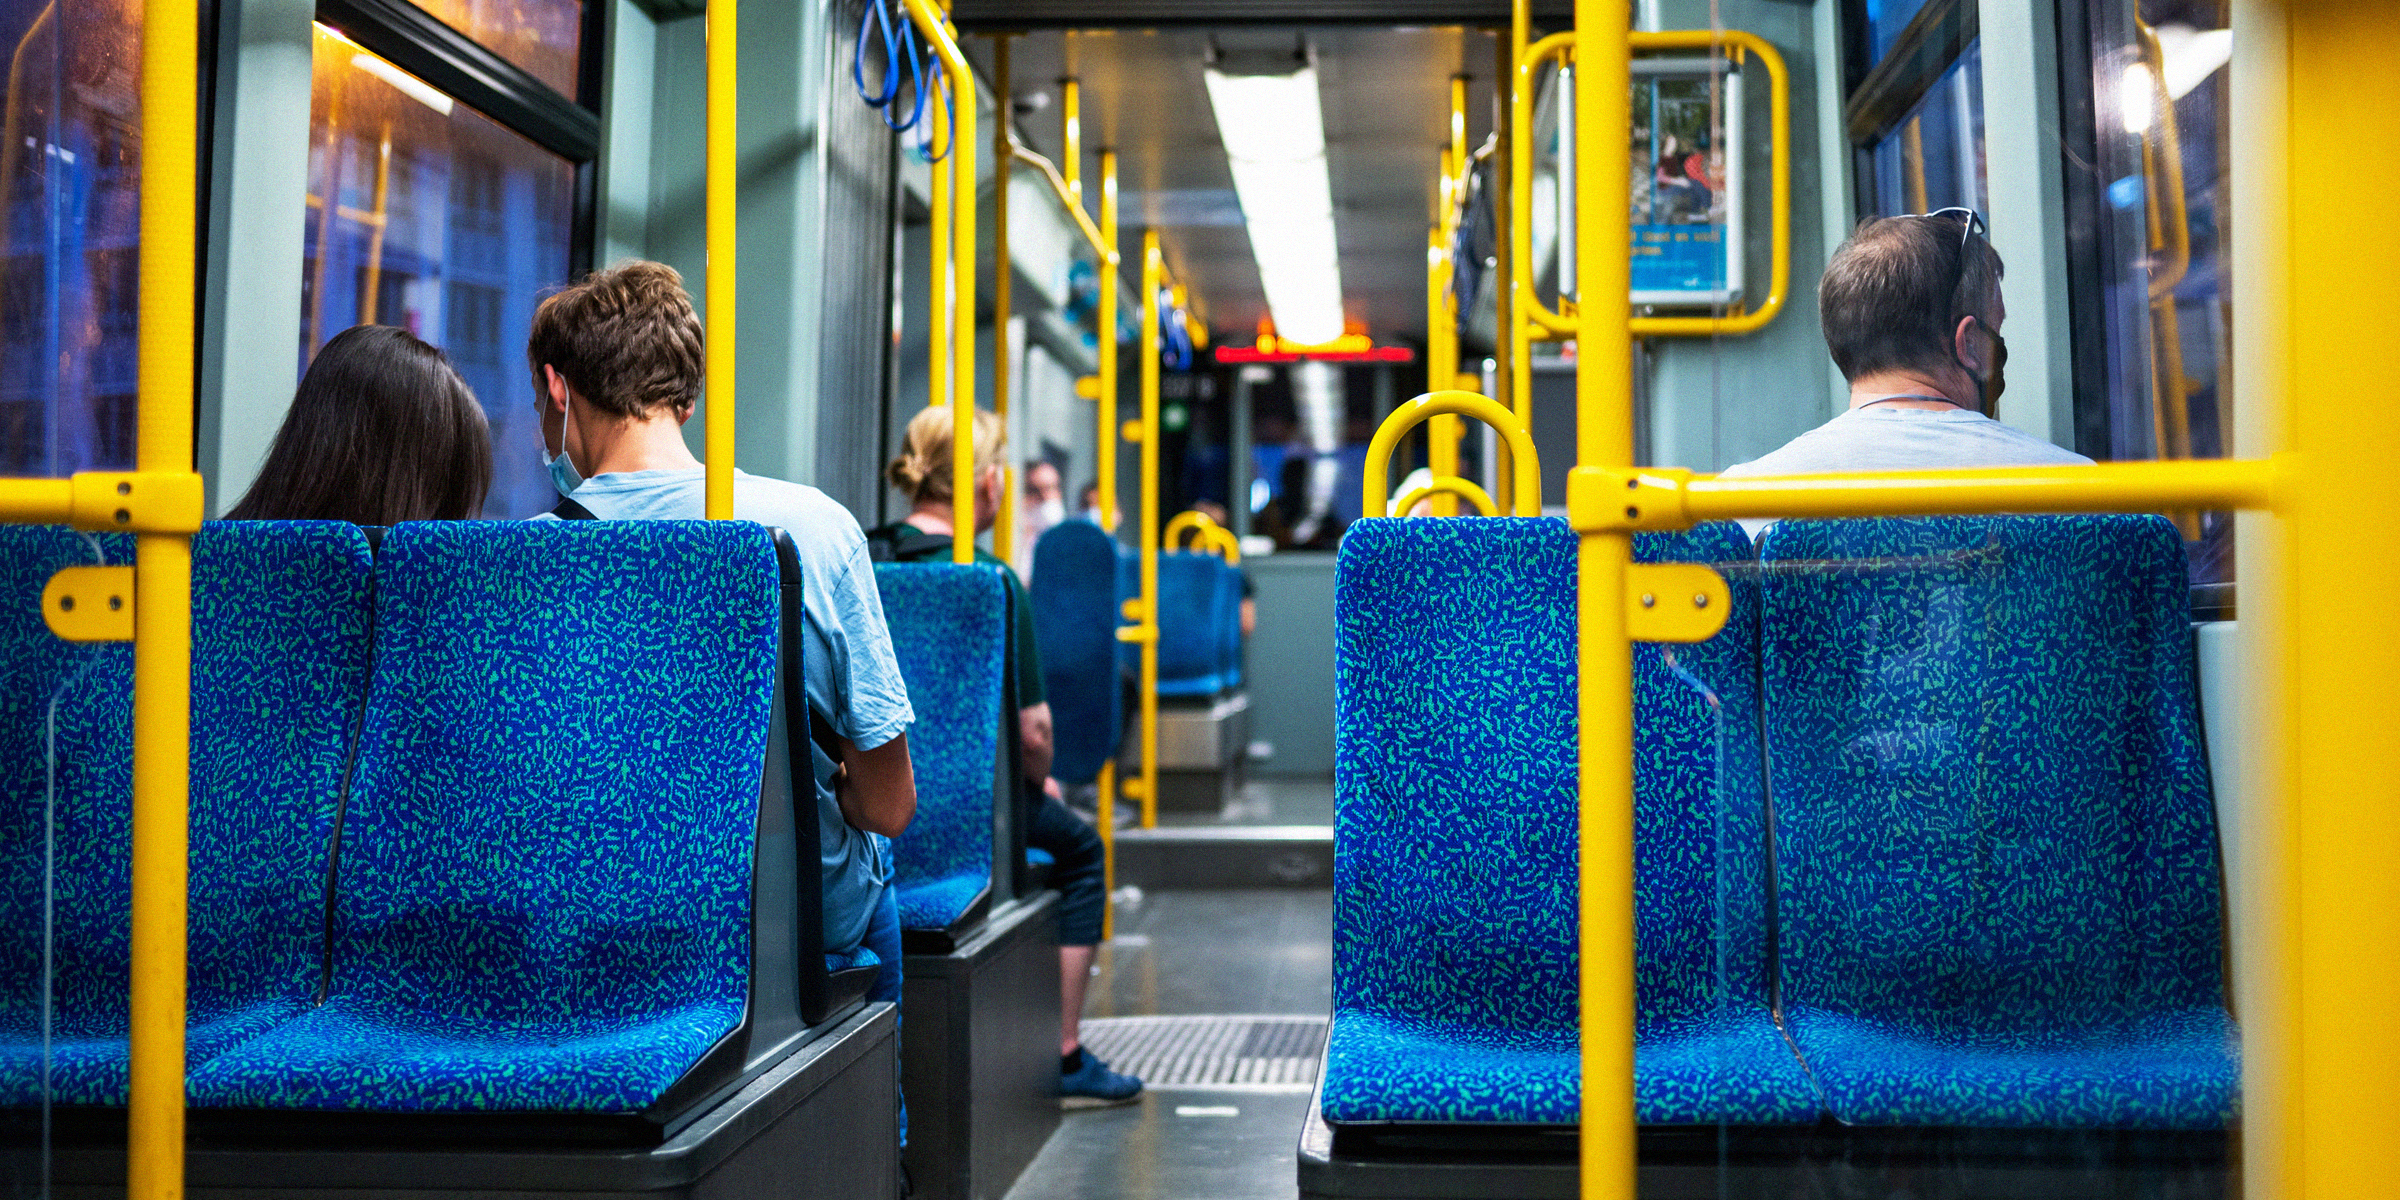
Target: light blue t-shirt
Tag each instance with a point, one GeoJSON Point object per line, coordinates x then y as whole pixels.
{"type": "Point", "coordinates": [853, 679]}
{"type": "Point", "coordinates": [1900, 439]}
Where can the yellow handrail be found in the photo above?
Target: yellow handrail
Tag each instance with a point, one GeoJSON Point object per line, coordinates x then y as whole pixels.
{"type": "Point", "coordinates": [722, 26]}
{"type": "Point", "coordinates": [1227, 546]}
{"type": "Point", "coordinates": [1616, 500]}
{"type": "Point", "coordinates": [1004, 522]}
{"type": "Point", "coordinates": [162, 649]}
{"type": "Point", "coordinates": [1106, 477]}
{"type": "Point", "coordinates": [1188, 521]}
{"type": "Point", "coordinates": [1534, 317]}
{"type": "Point", "coordinates": [961, 162]}
{"type": "Point", "coordinates": [1441, 308]}
{"type": "Point", "coordinates": [1066, 196]}
{"type": "Point", "coordinates": [1527, 482]}
{"type": "Point", "coordinates": [1452, 484]}
{"type": "Point", "coordinates": [1779, 277]}
{"type": "Point", "coordinates": [1529, 311]}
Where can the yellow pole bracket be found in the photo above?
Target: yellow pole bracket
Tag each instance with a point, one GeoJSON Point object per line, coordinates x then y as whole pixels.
{"type": "Point", "coordinates": [90, 604]}
{"type": "Point", "coordinates": [1674, 602]}
{"type": "Point", "coordinates": [1465, 489]}
{"type": "Point", "coordinates": [1527, 492]}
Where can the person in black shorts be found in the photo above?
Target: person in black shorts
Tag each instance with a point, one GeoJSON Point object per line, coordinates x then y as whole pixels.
{"type": "Point", "coordinates": [923, 473]}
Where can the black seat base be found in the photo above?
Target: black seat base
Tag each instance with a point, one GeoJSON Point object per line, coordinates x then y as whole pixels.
{"type": "Point", "coordinates": [770, 1138]}
{"type": "Point", "coordinates": [1461, 1162]}
{"type": "Point", "coordinates": [980, 1062]}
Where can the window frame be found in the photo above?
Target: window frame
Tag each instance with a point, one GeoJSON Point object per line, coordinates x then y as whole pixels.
{"type": "Point", "coordinates": [477, 76]}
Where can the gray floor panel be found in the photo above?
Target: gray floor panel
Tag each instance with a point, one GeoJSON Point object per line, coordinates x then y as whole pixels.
{"type": "Point", "coordinates": [1176, 1144]}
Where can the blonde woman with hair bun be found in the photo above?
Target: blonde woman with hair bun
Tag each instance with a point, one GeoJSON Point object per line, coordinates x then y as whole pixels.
{"type": "Point", "coordinates": [922, 472]}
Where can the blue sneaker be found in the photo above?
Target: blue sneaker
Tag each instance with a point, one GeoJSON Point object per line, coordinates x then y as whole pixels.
{"type": "Point", "coordinates": [1092, 1084]}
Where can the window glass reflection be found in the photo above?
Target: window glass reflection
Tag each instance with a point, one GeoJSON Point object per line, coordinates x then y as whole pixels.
{"type": "Point", "coordinates": [442, 223]}
{"type": "Point", "coordinates": [542, 36]}
{"type": "Point", "coordinates": [70, 165]}
{"type": "Point", "coordinates": [1934, 159]}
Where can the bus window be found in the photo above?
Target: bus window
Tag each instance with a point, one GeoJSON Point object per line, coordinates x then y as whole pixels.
{"type": "Point", "coordinates": [542, 36]}
{"type": "Point", "coordinates": [70, 161]}
{"type": "Point", "coordinates": [441, 222]}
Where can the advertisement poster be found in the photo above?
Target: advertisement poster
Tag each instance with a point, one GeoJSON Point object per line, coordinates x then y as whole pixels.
{"type": "Point", "coordinates": [1687, 196]}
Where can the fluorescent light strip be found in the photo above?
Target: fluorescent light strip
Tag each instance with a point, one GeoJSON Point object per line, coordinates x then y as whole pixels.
{"type": "Point", "coordinates": [1274, 133]}
{"type": "Point", "coordinates": [417, 89]}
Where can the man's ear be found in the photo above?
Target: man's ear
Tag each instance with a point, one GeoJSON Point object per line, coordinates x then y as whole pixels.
{"type": "Point", "coordinates": [1963, 347]}
{"type": "Point", "coordinates": [554, 389]}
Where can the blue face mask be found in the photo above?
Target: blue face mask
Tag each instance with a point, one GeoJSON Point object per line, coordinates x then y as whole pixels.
{"type": "Point", "coordinates": [563, 474]}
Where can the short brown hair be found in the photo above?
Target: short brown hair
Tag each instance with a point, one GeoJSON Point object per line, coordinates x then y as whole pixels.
{"type": "Point", "coordinates": [626, 339]}
{"type": "Point", "coordinates": [1897, 288]}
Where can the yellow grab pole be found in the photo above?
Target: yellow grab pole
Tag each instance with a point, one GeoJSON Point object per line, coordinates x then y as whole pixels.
{"type": "Point", "coordinates": [1070, 92]}
{"type": "Point", "coordinates": [162, 650]}
{"type": "Point", "coordinates": [1108, 849]}
{"type": "Point", "coordinates": [1441, 352]}
{"type": "Point", "coordinates": [1107, 476]}
{"type": "Point", "coordinates": [961, 161]}
{"type": "Point", "coordinates": [2334, 654]}
{"type": "Point", "coordinates": [723, 176]}
{"type": "Point", "coordinates": [1604, 656]}
{"type": "Point", "coordinates": [1519, 253]}
{"type": "Point", "coordinates": [1153, 268]}
{"type": "Point", "coordinates": [1004, 523]}
{"type": "Point", "coordinates": [1504, 362]}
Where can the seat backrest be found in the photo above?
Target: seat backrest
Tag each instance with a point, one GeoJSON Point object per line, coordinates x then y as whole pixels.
{"type": "Point", "coordinates": [1229, 624]}
{"type": "Point", "coordinates": [1455, 781]}
{"type": "Point", "coordinates": [1991, 795]}
{"type": "Point", "coordinates": [555, 812]}
{"type": "Point", "coordinates": [280, 647]}
{"type": "Point", "coordinates": [1191, 624]}
{"type": "Point", "coordinates": [949, 624]}
{"type": "Point", "coordinates": [1075, 619]}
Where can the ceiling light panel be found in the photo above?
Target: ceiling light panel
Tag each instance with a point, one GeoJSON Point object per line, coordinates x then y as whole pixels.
{"type": "Point", "coordinates": [1273, 127]}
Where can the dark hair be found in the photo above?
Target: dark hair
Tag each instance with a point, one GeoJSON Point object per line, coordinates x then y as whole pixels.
{"type": "Point", "coordinates": [626, 339]}
{"type": "Point", "coordinates": [1896, 290]}
{"type": "Point", "coordinates": [381, 431]}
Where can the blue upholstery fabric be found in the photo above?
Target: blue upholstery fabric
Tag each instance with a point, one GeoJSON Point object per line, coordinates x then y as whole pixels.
{"type": "Point", "coordinates": [279, 670]}
{"type": "Point", "coordinates": [1191, 594]}
{"type": "Point", "coordinates": [1454, 867]}
{"type": "Point", "coordinates": [1075, 618]}
{"type": "Point", "coordinates": [544, 877]}
{"type": "Point", "coordinates": [949, 627]}
{"type": "Point", "coordinates": [1229, 624]}
{"type": "Point", "coordinates": [1995, 841]}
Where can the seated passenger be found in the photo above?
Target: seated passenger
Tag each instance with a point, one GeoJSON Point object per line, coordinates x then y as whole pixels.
{"type": "Point", "coordinates": [381, 431]}
{"type": "Point", "coordinates": [1911, 309]}
{"type": "Point", "coordinates": [617, 367]}
{"type": "Point", "coordinates": [923, 472]}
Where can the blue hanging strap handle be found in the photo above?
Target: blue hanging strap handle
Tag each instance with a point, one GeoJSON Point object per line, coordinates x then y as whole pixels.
{"type": "Point", "coordinates": [873, 14]}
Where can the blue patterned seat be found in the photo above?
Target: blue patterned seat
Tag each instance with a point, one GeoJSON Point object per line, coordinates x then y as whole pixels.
{"type": "Point", "coordinates": [1454, 870]}
{"type": "Point", "coordinates": [1995, 842]}
{"type": "Point", "coordinates": [279, 671]}
{"type": "Point", "coordinates": [545, 880]}
{"type": "Point", "coordinates": [1191, 624]}
{"type": "Point", "coordinates": [1229, 624]}
{"type": "Point", "coordinates": [1075, 618]}
{"type": "Point", "coordinates": [950, 626]}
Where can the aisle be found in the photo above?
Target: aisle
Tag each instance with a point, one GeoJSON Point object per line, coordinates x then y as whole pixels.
{"type": "Point", "coordinates": [1216, 962]}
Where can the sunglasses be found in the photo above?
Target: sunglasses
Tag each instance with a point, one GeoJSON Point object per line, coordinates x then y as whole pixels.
{"type": "Point", "coordinates": [1971, 223]}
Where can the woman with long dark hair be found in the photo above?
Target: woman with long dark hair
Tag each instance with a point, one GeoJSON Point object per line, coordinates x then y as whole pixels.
{"type": "Point", "coordinates": [381, 431]}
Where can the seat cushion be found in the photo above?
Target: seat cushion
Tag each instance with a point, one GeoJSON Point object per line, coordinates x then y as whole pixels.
{"type": "Point", "coordinates": [1191, 628]}
{"type": "Point", "coordinates": [1730, 1067]}
{"type": "Point", "coordinates": [2173, 1070]}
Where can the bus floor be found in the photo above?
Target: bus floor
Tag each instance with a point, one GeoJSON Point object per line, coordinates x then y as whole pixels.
{"type": "Point", "coordinates": [1219, 999]}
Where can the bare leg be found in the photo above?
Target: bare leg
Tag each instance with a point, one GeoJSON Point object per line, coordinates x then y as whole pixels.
{"type": "Point", "coordinates": [1074, 979]}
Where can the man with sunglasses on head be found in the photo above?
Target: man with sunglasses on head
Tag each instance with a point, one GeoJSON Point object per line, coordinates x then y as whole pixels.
{"type": "Point", "coordinates": [1912, 311]}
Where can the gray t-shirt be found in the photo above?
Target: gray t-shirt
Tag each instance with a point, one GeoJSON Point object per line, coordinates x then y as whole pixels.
{"type": "Point", "coordinates": [853, 679]}
{"type": "Point", "coordinates": [1899, 439]}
